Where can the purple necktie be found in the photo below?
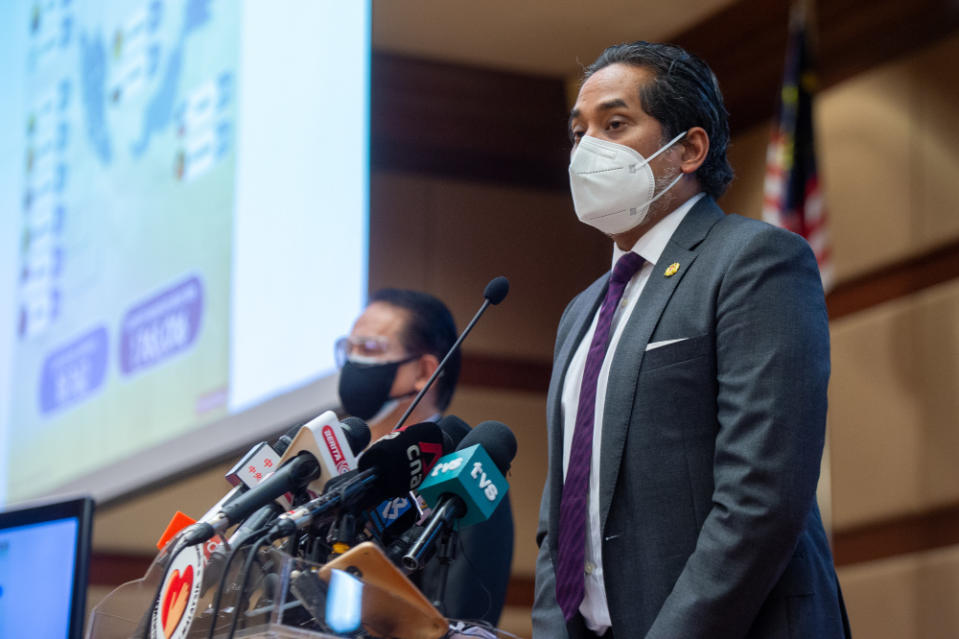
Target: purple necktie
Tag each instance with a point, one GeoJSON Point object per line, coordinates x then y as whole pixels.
{"type": "Point", "coordinates": [572, 510]}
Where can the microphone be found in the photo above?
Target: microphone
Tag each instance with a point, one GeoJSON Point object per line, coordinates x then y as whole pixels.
{"type": "Point", "coordinates": [357, 433]}
{"type": "Point", "coordinates": [315, 452]}
{"type": "Point", "coordinates": [262, 458]}
{"type": "Point", "coordinates": [464, 487]}
{"type": "Point", "coordinates": [494, 293]}
{"type": "Point", "coordinates": [292, 475]}
{"type": "Point", "coordinates": [454, 428]}
{"type": "Point", "coordinates": [393, 517]}
{"type": "Point", "coordinates": [394, 465]}
{"type": "Point", "coordinates": [332, 444]}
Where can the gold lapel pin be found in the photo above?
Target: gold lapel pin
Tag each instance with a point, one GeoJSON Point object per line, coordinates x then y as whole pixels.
{"type": "Point", "coordinates": [672, 269]}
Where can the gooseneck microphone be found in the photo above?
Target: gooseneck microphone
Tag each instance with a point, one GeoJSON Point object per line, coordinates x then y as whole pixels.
{"type": "Point", "coordinates": [494, 293]}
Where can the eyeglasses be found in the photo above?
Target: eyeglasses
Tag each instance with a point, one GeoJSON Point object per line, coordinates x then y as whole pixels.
{"type": "Point", "coordinates": [349, 346]}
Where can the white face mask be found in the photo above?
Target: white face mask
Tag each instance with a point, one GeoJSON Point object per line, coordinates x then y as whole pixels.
{"type": "Point", "coordinates": [612, 184]}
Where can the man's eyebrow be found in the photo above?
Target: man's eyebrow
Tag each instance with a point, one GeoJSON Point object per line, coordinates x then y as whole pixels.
{"type": "Point", "coordinates": [616, 103]}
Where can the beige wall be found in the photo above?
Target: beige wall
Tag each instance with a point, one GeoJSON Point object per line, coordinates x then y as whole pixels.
{"type": "Point", "coordinates": [906, 597]}
{"type": "Point", "coordinates": [889, 151]}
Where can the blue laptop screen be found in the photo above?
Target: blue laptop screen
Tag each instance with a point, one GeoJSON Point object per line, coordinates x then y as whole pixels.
{"type": "Point", "coordinates": [42, 578]}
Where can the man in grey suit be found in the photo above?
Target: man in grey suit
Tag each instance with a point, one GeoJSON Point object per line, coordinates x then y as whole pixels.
{"type": "Point", "coordinates": [687, 405]}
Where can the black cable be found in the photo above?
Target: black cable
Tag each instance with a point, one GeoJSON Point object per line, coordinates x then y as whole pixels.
{"type": "Point", "coordinates": [246, 575]}
{"type": "Point", "coordinates": [218, 598]}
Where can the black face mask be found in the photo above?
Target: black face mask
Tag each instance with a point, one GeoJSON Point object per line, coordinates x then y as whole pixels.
{"type": "Point", "coordinates": [365, 388]}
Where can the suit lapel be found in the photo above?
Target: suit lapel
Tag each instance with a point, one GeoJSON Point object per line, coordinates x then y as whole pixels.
{"type": "Point", "coordinates": [682, 249]}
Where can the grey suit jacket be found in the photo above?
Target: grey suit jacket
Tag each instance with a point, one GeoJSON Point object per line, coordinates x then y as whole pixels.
{"type": "Point", "coordinates": [711, 446]}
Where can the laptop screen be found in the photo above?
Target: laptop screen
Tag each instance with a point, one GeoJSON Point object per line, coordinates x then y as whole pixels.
{"type": "Point", "coordinates": [44, 558]}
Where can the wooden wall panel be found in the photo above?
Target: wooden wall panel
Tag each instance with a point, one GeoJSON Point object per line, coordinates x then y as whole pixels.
{"type": "Point", "coordinates": [463, 234]}
{"type": "Point", "coordinates": [464, 122]}
{"type": "Point", "coordinates": [915, 595]}
{"type": "Point", "coordinates": [893, 407]}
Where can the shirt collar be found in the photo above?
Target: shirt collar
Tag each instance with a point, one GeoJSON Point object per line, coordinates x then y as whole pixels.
{"type": "Point", "coordinates": [653, 242]}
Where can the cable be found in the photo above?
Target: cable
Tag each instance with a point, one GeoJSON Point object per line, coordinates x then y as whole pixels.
{"type": "Point", "coordinates": [246, 575]}
{"type": "Point", "coordinates": [218, 598]}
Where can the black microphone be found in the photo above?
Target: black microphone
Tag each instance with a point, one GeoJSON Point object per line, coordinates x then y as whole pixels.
{"type": "Point", "coordinates": [357, 434]}
{"type": "Point", "coordinates": [291, 476]}
{"type": "Point", "coordinates": [260, 452]}
{"type": "Point", "coordinates": [455, 429]}
{"type": "Point", "coordinates": [463, 487]}
{"type": "Point", "coordinates": [394, 465]}
{"type": "Point", "coordinates": [393, 517]}
{"type": "Point", "coordinates": [494, 293]}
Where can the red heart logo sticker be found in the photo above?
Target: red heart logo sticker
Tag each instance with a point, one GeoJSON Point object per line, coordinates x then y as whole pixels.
{"type": "Point", "coordinates": [174, 601]}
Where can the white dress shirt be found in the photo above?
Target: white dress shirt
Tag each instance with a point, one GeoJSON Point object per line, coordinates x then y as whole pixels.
{"type": "Point", "coordinates": [650, 246]}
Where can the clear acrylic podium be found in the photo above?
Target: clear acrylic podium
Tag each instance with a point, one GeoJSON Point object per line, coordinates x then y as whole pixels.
{"type": "Point", "coordinates": [358, 594]}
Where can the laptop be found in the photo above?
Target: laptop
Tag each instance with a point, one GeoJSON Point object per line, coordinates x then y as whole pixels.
{"type": "Point", "coordinates": [44, 563]}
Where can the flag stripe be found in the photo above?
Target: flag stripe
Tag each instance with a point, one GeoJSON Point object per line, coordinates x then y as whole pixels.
{"type": "Point", "coordinates": [792, 193]}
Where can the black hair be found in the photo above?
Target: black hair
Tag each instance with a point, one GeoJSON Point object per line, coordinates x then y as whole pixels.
{"type": "Point", "coordinates": [430, 329]}
{"type": "Point", "coordinates": [684, 93]}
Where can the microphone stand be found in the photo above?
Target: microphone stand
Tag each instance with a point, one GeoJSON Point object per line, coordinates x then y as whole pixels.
{"type": "Point", "coordinates": [446, 553]}
{"type": "Point", "coordinates": [495, 292]}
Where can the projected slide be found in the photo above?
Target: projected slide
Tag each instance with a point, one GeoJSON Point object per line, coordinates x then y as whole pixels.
{"type": "Point", "coordinates": [126, 230]}
{"type": "Point", "coordinates": [145, 297]}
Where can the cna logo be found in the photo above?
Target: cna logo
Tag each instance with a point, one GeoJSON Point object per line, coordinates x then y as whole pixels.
{"type": "Point", "coordinates": [336, 451]}
{"type": "Point", "coordinates": [432, 453]}
{"type": "Point", "coordinates": [416, 465]}
{"type": "Point", "coordinates": [177, 603]}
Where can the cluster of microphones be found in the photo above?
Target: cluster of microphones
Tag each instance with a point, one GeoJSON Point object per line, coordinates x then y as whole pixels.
{"type": "Point", "coordinates": [323, 488]}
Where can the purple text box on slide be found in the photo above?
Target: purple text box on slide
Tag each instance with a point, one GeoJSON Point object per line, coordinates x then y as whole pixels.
{"type": "Point", "coordinates": [160, 327]}
{"type": "Point", "coordinates": [74, 372]}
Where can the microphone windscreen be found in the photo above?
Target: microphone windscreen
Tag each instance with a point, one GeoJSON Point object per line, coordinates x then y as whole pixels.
{"type": "Point", "coordinates": [286, 438]}
{"type": "Point", "coordinates": [497, 440]}
{"type": "Point", "coordinates": [496, 290]}
{"type": "Point", "coordinates": [456, 429]}
{"type": "Point", "coordinates": [402, 458]}
{"type": "Point", "coordinates": [282, 444]}
{"type": "Point", "coordinates": [448, 445]}
{"type": "Point", "coordinates": [357, 433]}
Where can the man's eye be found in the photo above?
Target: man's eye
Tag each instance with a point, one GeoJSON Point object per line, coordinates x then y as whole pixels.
{"type": "Point", "coordinates": [615, 124]}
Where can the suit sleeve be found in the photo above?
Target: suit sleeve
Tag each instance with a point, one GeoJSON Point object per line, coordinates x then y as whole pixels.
{"type": "Point", "coordinates": [772, 367]}
{"type": "Point", "coordinates": [548, 621]}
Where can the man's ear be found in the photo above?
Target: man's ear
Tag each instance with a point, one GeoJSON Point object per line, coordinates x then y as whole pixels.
{"type": "Point", "coordinates": [428, 364]}
{"type": "Point", "coordinates": [695, 147]}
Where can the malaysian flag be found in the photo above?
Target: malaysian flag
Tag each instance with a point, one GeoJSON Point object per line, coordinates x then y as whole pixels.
{"type": "Point", "coordinates": [792, 194]}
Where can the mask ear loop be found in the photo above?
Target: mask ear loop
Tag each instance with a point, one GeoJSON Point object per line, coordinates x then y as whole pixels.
{"type": "Point", "coordinates": [663, 148]}
{"type": "Point", "coordinates": [666, 146]}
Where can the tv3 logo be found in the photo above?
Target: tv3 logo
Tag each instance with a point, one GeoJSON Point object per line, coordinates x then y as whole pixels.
{"type": "Point", "coordinates": [393, 508]}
